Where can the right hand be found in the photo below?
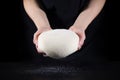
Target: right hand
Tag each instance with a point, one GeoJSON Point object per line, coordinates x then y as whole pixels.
{"type": "Point", "coordinates": [81, 33]}
{"type": "Point", "coordinates": [36, 34]}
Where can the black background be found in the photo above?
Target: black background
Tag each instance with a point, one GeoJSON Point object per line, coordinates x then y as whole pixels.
{"type": "Point", "coordinates": [13, 44]}
{"type": "Point", "coordinates": [14, 48]}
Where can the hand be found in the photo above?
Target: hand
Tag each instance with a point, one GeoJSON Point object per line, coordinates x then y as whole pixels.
{"type": "Point", "coordinates": [81, 33]}
{"type": "Point", "coordinates": [35, 37]}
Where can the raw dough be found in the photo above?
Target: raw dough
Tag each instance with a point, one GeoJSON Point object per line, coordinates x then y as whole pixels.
{"type": "Point", "coordinates": [58, 43]}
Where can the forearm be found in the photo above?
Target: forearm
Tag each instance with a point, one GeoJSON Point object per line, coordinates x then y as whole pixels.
{"type": "Point", "coordinates": [36, 14]}
{"type": "Point", "coordinates": [87, 16]}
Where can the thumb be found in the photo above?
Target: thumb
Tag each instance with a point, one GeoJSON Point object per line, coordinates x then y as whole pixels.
{"type": "Point", "coordinates": [81, 40]}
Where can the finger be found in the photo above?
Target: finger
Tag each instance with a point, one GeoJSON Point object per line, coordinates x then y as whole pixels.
{"type": "Point", "coordinates": [40, 51]}
{"type": "Point", "coordinates": [79, 46]}
{"type": "Point", "coordinates": [35, 37]}
{"type": "Point", "coordinates": [81, 41]}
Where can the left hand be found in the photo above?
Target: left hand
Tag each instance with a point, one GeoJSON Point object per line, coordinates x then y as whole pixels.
{"type": "Point", "coordinates": [81, 33]}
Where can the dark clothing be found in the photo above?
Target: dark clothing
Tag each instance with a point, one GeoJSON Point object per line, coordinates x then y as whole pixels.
{"type": "Point", "coordinates": [62, 14]}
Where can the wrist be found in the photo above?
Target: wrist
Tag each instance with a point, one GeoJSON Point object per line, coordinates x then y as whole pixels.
{"type": "Point", "coordinates": [46, 27]}
{"type": "Point", "coordinates": [78, 27]}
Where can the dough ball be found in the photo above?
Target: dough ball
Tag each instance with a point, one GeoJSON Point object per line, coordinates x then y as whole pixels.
{"type": "Point", "coordinates": [58, 43]}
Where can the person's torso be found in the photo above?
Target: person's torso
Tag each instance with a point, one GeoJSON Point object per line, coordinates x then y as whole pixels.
{"type": "Point", "coordinates": [63, 13]}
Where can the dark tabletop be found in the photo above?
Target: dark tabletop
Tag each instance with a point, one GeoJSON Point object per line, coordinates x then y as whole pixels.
{"type": "Point", "coordinates": [33, 71]}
